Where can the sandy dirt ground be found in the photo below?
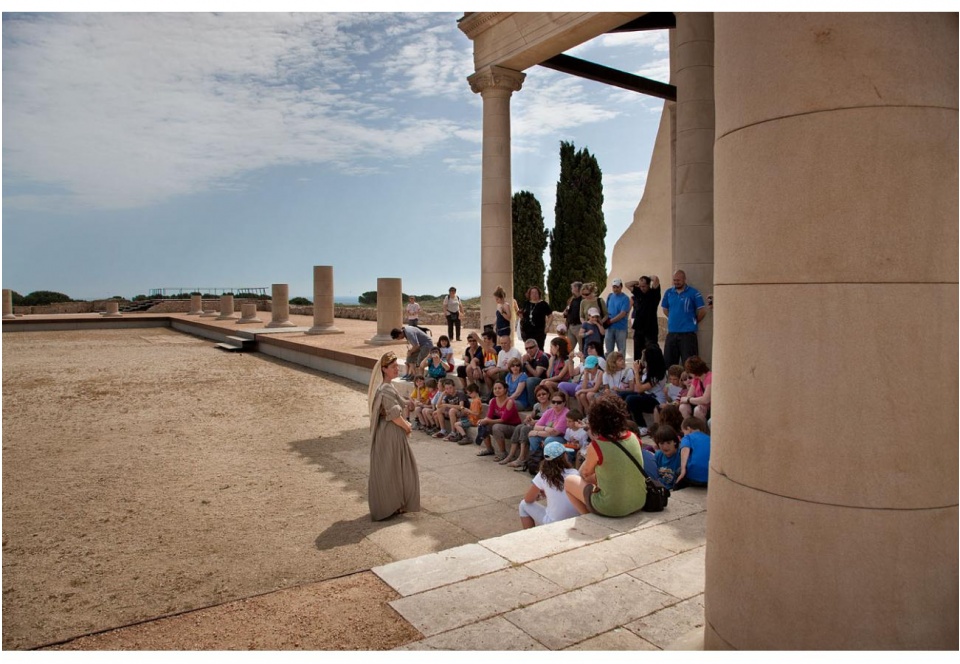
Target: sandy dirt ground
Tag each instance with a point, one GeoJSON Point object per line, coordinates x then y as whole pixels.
{"type": "Point", "coordinates": [146, 474]}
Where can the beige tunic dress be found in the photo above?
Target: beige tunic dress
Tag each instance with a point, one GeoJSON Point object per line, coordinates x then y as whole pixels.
{"type": "Point", "coordinates": [394, 478]}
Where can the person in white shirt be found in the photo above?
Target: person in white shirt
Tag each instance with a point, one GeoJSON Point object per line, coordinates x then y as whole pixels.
{"type": "Point", "coordinates": [548, 483]}
{"type": "Point", "coordinates": [507, 353]}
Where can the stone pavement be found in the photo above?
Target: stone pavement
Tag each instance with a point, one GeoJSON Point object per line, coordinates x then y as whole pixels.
{"type": "Point", "coordinates": [589, 583]}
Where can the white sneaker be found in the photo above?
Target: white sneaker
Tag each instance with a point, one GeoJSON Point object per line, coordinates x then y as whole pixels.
{"type": "Point", "coordinates": [644, 431]}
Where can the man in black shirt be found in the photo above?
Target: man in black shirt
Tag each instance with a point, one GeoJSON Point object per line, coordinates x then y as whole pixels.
{"type": "Point", "coordinates": [646, 301]}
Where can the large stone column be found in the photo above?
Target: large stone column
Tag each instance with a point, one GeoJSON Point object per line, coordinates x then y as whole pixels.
{"type": "Point", "coordinates": [280, 306]}
{"type": "Point", "coordinates": [196, 305]}
{"type": "Point", "coordinates": [695, 126]}
{"type": "Point", "coordinates": [495, 85]}
{"type": "Point", "coordinates": [8, 303]}
{"type": "Point", "coordinates": [389, 309]}
{"type": "Point", "coordinates": [323, 301]}
{"type": "Point", "coordinates": [226, 308]}
{"type": "Point", "coordinates": [832, 509]}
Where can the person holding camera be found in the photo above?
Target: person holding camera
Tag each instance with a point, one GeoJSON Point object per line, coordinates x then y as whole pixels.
{"type": "Point", "coordinates": [646, 300]}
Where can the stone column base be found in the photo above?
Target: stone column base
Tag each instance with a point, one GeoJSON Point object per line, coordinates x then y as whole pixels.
{"type": "Point", "coordinates": [254, 319]}
{"type": "Point", "coordinates": [324, 329]}
{"type": "Point", "coordinates": [209, 314]}
{"type": "Point", "coordinates": [106, 314]}
{"type": "Point", "coordinates": [8, 316]}
{"type": "Point", "coordinates": [227, 316]}
{"type": "Point", "coordinates": [281, 323]}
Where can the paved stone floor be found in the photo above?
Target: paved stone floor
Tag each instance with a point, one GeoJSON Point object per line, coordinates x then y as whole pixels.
{"type": "Point", "coordinates": [589, 583]}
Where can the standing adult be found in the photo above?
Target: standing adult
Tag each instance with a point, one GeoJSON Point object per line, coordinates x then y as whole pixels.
{"type": "Point", "coordinates": [646, 299]}
{"type": "Point", "coordinates": [413, 311]}
{"type": "Point", "coordinates": [453, 310]}
{"type": "Point", "coordinates": [504, 311]}
{"type": "Point", "coordinates": [684, 307]}
{"type": "Point", "coordinates": [590, 299]}
{"type": "Point", "coordinates": [572, 315]}
{"type": "Point", "coordinates": [420, 345]}
{"type": "Point", "coordinates": [394, 483]}
{"type": "Point", "coordinates": [618, 309]}
{"type": "Point", "coordinates": [533, 325]}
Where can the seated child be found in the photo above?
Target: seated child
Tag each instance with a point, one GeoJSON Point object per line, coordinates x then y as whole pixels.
{"type": "Point", "coordinates": [425, 403]}
{"type": "Point", "coordinates": [694, 453]}
{"type": "Point", "coordinates": [672, 390]}
{"type": "Point", "coordinates": [450, 399]}
{"type": "Point", "coordinates": [434, 366]}
{"type": "Point", "coordinates": [576, 438]}
{"type": "Point", "coordinates": [668, 460]}
{"type": "Point", "coordinates": [549, 484]}
{"type": "Point", "coordinates": [430, 411]}
{"type": "Point", "coordinates": [418, 397]}
{"type": "Point", "coordinates": [464, 417]}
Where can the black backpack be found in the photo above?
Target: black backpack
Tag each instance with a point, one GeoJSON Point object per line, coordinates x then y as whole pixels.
{"type": "Point", "coordinates": [532, 464]}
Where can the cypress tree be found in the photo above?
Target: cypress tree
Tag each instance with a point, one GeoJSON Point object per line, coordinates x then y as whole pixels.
{"type": "Point", "coordinates": [578, 239]}
{"type": "Point", "coordinates": [529, 243]}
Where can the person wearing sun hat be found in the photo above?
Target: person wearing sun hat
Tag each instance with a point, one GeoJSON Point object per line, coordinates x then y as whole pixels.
{"type": "Point", "coordinates": [394, 482]}
{"type": "Point", "coordinates": [549, 483]}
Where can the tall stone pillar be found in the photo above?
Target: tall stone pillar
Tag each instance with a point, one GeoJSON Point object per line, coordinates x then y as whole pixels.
{"type": "Point", "coordinates": [226, 308]}
{"type": "Point", "coordinates": [832, 509]}
{"type": "Point", "coordinates": [389, 309]}
{"type": "Point", "coordinates": [693, 171]}
{"type": "Point", "coordinates": [323, 301]}
{"type": "Point", "coordinates": [280, 306]}
{"type": "Point", "coordinates": [8, 304]}
{"type": "Point", "coordinates": [196, 305]}
{"type": "Point", "coordinates": [495, 85]}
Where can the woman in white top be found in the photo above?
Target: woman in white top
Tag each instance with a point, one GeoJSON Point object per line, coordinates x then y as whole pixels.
{"type": "Point", "coordinates": [453, 310]}
{"type": "Point", "coordinates": [549, 484]}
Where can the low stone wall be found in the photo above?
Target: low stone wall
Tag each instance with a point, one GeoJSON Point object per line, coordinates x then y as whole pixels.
{"type": "Point", "coordinates": [69, 307]}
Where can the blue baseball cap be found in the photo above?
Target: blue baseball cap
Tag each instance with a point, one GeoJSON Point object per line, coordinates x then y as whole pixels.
{"type": "Point", "coordinates": [553, 449]}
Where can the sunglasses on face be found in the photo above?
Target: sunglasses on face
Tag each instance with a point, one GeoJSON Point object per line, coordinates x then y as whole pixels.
{"type": "Point", "coordinates": [557, 403]}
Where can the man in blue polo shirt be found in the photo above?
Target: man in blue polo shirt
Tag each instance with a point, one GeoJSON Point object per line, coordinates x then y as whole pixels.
{"type": "Point", "coordinates": [618, 309]}
{"type": "Point", "coordinates": [684, 308]}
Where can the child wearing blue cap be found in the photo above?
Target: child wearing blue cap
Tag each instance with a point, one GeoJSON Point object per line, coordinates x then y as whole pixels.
{"type": "Point", "coordinates": [548, 483]}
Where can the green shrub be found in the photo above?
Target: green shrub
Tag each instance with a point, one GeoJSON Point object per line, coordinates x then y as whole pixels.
{"type": "Point", "coordinates": [301, 301]}
{"type": "Point", "coordinates": [17, 298]}
{"type": "Point", "coordinates": [39, 298]}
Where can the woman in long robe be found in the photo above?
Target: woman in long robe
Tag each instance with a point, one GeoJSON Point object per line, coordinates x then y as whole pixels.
{"type": "Point", "coordinates": [394, 486]}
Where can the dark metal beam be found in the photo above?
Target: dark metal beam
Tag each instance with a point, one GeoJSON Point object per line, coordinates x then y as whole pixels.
{"type": "Point", "coordinates": [577, 67]}
{"type": "Point", "coordinates": [650, 21]}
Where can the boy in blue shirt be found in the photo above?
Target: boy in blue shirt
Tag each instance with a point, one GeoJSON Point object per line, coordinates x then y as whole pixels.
{"type": "Point", "coordinates": [694, 453]}
{"type": "Point", "coordinates": [668, 459]}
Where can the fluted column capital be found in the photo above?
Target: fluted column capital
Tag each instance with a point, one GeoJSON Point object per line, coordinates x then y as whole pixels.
{"type": "Point", "coordinates": [496, 79]}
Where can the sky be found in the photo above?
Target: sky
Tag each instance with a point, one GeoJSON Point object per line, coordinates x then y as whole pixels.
{"type": "Point", "coordinates": [233, 150]}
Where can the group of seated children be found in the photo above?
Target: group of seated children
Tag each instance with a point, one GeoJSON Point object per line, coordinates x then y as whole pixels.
{"type": "Point", "coordinates": [548, 437]}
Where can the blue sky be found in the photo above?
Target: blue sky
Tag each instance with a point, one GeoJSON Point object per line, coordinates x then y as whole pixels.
{"type": "Point", "coordinates": [197, 150]}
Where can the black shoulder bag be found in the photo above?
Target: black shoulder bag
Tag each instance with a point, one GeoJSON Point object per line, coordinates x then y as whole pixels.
{"type": "Point", "coordinates": [657, 494]}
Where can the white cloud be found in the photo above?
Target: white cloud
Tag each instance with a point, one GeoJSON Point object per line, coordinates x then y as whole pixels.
{"type": "Point", "coordinates": [550, 103]}
{"type": "Point", "coordinates": [622, 191]}
{"type": "Point", "coordinates": [125, 110]}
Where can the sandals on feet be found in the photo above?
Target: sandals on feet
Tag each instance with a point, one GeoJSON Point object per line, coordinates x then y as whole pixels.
{"type": "Point", "coordinates": [485, 452]}
{"type": "Point", "coordinates": [505, 460]}
{"type": "Point", "coordinates": [499, 458]}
